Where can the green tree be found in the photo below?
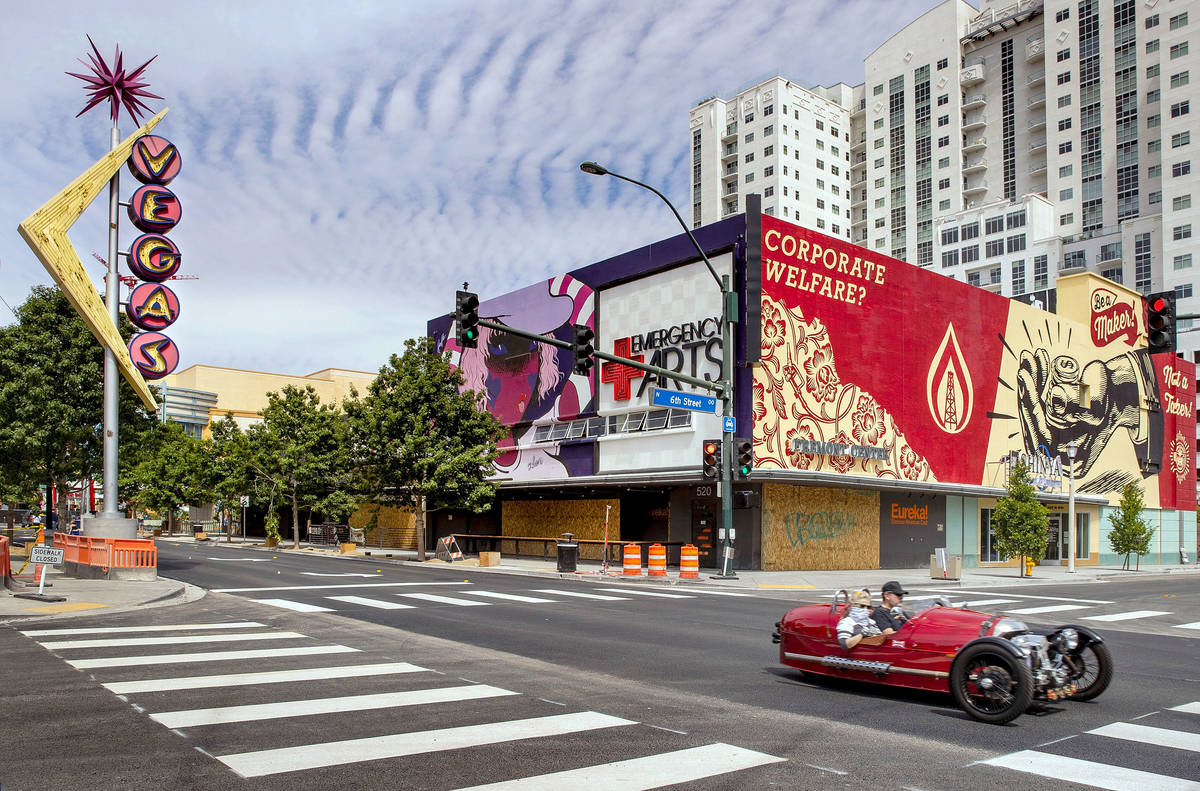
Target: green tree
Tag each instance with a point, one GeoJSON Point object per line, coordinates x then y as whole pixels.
{"type": "Point", "coordinates": [231, 466]}
{"type": "Point", "coordinates": [1130, 534]}
{"type": "Point", "coordinates": [301, 453]}
{"type": "Point", "coordinates": [173, 470]}
{"type": "Point", "coordinates": [419, 442]}
{"type": "Point", "coordinates": [1019, 520]}
{"type": "Point", "coordinates": [51, 398]}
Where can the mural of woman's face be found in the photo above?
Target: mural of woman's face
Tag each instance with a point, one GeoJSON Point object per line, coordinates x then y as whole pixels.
{"type": "Point", "coordinates": [513, 364]}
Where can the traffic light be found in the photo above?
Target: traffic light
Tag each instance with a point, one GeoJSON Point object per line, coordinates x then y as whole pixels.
{"type": "Point", "coordinates": [743, 450]}
{"type": "Point", "coordinates": [712, 459]}
{"type": "Point", "coordinates": [583, 349]}
{"type": "Point", "coordinates": [466, 319]}
{"type": "Point", "coordinates": [1160, 322]}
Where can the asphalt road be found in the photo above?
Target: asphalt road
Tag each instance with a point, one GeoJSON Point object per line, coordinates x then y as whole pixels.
{"type": "Point", "coordinates": [686, 673]}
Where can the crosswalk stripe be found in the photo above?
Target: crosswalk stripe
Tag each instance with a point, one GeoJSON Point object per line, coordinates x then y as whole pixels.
{"type": "Point", "coordinates": [207, 656]}
{"type": "Point", "coordinates": [192, 718]}
{"type": "Point", "coordinates": [1187, 708]}
{"type": "Point", "coordinates": [265, 677]}
{"type": "Point", "coordinates": [377, 603]}
{"type": "Point", "coordinates": [1124, 616]}
{"type": "Point", "coordinates": [988, 602]}
{"type": "Point", "coordinates": [1073, 770]}
{"type": "Point", "coordinates": [1180, 740]}
{"type": "Point", "coordinates": [581, 595]}
{"type": "Point", "coordinates": [509, 596]}
{"type": "Point", "coordinates": [312, 756]}
{"type": "Point", "coordinates": [1195, 625]}
{"type": "Point", "coordinates": [332, 587]}
{"type": "Point", "coordinates": [1047, 608]}
{"type": "Point", "coordinates": [445, 599]}
{"type": "Point", "coordinates": [121, 642]}
{"type": "Point", "coordinates": [646, 593]}
{"type": "Point", "coordinates": [638, 774]}
{"type": "Point", "coordinates": [136, 629]}
{"type": "Point", "coordinates": [288, 604]}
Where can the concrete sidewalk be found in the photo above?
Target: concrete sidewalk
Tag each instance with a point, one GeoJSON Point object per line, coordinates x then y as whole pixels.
{"type": "Point", "coordinates": [87, 597]}
{"type": "Point", "coordinates": [823, 581]}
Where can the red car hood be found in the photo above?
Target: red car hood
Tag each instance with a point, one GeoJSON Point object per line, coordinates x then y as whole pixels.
{"type": "Point", "coordinates": [941, 630]}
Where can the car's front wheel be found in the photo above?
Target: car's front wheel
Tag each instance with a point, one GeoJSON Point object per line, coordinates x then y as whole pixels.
{"type": "Point", "coordinates": [1093, 669]}
{"type": "Point", "coordinates": [991, 684]}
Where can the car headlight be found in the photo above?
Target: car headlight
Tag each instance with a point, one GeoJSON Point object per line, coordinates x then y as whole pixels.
{"type": "Point", "coordinates": [1005, 626]}
{"type": "Point", "coordinates": [1069, 638]}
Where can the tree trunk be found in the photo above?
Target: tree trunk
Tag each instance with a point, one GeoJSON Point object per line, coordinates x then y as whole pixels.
{"type": "Point", "coordinates": [295, 519]}
{"type": "Point", "coordinates": [420, 520]}
{"type": "Point", "coordinates": [64, 508]}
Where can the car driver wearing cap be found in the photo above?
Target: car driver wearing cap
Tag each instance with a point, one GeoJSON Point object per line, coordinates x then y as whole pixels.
{"type": "Point", "coordinates": [890, 615]}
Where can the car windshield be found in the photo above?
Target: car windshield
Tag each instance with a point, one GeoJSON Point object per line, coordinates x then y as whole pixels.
{"type": "Point", "coordinates": [920, 604]}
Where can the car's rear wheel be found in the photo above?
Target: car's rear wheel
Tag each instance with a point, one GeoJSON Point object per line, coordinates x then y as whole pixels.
{"type": "Point", "coordinates": [991, 684]}
{"type": "Point", "coordinates": [1093, 670]}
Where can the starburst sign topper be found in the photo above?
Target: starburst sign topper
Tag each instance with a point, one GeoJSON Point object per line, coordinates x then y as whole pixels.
{"type": "Point", "coordinates": [113, 84]}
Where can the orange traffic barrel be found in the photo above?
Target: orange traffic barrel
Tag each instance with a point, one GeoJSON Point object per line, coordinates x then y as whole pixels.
{"type": "Point", "coordinates": [633, 560]}
{"type": "Point", "coordinates": [689, 562]}
{"type": "Point", "coordinates": [657, 561]}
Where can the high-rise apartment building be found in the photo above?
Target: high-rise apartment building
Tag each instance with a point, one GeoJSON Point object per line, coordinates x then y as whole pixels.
{"type": "Point", "coordinates": [1003, 145]}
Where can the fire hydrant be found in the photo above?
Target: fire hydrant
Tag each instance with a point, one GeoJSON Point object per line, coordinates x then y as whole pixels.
{"type": "Point", "coordinates": [1029, 564]}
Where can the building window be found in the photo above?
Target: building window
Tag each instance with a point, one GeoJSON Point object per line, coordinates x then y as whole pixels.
{"type": "Point", "coordinates": [1154, 172]}
{"type": "Point", "coordinates": [970, 254]}
{"type": "Point", "coordinates": [993, 225]}
{"type": "Point", "coordinates": [1064, 54]}
{"type": "Point", "coordinates": [820, 164]}
{"type": "Point", "coordinates": [749, 138]}
{"type": "Point", "coordinates": [1181, 202]}
{"type": "Point", "coordinates": [1180, 108]}
{"type": "Point", "coordinates": [1018, 278]}
{"type": "Point", "coordinates": [1016, 219]}
{"type": "Point", "coordinates": [769, 151]}
{"type": "Point", "coordinates": [749, 177]}
{"type": "Point", "coordinates": [1153, 145]}
{"type": "Point", "coordinates": [820, 223]}
{"type": "Point", "coordinates": [1141, 262]}
{"type": "Point", "coordinates": [944, 162]}
{"type": "Point", "coordinates": [1179, 80]}
{"type": "Point", "coordinates": [1064, 78]}
{"type": "Point", "coordinates": [1062, 15]}
{"type": "Point", "coordinates": [1183, 261]}
{"type": "Point", "coordinates": [973, 278]}
{"type": "Point", "coordinates": [879, 183]}
{"type": "Point", "coordinates": [879, 203]}
{"type": "Point", "coordinates": [1064, 101]}
{"type": "Point", "coordinates": [1151, 21]}
{"type": "Point", "coordinates": [1178, 21]}
{"type": "Point", "coordinates": [1152, 96]}
{"type": "Point", "coordinates": [970, 231]}
{"type": "Point", "coordinates": [1066, 219]}
{"type": "Point", "coordinates": [944, 205]}
{"type": "Point", "coordinates": [941, 64]}
{"type": "Point", "coordinates": [1065, 147]}
{"type": "Point", "coordinates": [1179, 50]}
{"type": "Point", "coordinates": [1154, 197]}
{"type": "Point", "coordinates": [1040, 272]}
{"type": "Point", "coordinates": [878, 162]}
{"type": "Point", "coordinates": [878, 143]}
{"type": "Point", "coordinates": [769, 109]}
{"type": "Point", "coordinates": [749, 117]}
{"type": "Point", "coordinates": [833, 131]}
{"type": "Point", "coordinates": [1064, 124]}
{"type": "Point", "coordinates": [949, 258]}
{"type": "Point", "coordinates": [1066, 194]}
{"type": "Point", "coordinates": [1183, 291]}
{"type": "Point", "coordinates": [943, 120]}
{"type": "Point", "coordinates": [1153, 121]}
{"type": "Point", "coordinates": [834, 170]}
{"type": "Point", "coordinates": [820, 125]}
{"type": "Point", "coordinates": [768, 171]}
{"type": "Point", "coordinates": [1180, 232]}
{"type": "Point", "coordinates": [949, 236]}
{"type": "Point", "coordinates": [1181, 169]}
{"type": "Point", "coordinates": [995, 247]}
{"type": "Point", "coordinates": [944, 184]}
{"type": "Point", "coordinates": [820, 204]}
{"type": "Point", "coordinates": [1151, 47]}
{"type": "Point", "coordinates": [943, 99]}
{"type": "Point", "coordinates": [880, 222]}
{"type": "Point", "coordinates": [750, 157]}
{"type": "Point", "coordinates": [943, 142]}
{"type": "Point", "coordinates": [1065, 171]}
{"type": "Point", "coordinates": [769, 191]}
{"type": "Point", "coordinates": [1016, 243]}
{"type": "Point", "coordinates": [1152, 71]}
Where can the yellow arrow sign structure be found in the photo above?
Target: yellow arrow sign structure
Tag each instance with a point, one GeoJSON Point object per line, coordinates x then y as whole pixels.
{"type": "Point", "coordinates": [45, 231]}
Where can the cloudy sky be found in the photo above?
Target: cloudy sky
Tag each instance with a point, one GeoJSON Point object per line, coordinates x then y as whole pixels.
{"type": "Point", "coordinates": [346, 166]}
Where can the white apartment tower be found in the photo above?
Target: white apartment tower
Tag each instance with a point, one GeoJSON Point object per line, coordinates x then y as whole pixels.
{"type": "Point", "coordinates": [1001, 146]}
{"type": "Point", "coordinates": [791, 145]}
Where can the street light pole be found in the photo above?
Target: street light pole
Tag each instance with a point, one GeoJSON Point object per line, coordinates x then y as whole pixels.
{"type": "Point", "coordinates": [1072, 449]}
{"type": "Point", "coordinates": [729, 310]}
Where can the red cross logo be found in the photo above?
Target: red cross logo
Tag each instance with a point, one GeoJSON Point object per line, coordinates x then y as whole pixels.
{"type": "Point", "coordinates": [620, 374]}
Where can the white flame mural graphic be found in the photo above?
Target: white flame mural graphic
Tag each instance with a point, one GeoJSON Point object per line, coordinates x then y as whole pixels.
{"type": "Point", "coordinates": [949, 390]}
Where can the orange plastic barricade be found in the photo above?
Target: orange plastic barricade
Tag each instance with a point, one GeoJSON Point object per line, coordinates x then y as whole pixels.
{"type": "Point", "coordinates": [689, 562]}
{"type": "Point", "coordinates": [657, 561]}
{"type": "Point", "coordinates": [633, 561]}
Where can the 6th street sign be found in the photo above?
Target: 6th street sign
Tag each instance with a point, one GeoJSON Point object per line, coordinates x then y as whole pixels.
{"type": "Point", "coordinates": [678, 400]}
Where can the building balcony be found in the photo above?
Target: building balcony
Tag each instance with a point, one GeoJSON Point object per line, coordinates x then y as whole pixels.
{"type": "Point", "coordinates": [1035, 48]}
{"type": "Point", "coordinates": [861, 142]}
{"type": "Point", "coordinates": [978, 144]}
{"type": "Point", "coordinates": [860, 107]}
{"type": "Point", "coordinates": [729, 154]}
{"type": "Point", "coordinates": [997, 20]}
{"type": "Point", "coordinates": [731, 133]}
{"type": "Point", "coordinates": [995, 288]}
{"type": "Point", "coordinates": [856, 182]}
{"type": "Point", "coordinates": [1034, 80]}
{"type": "Point", "coordinates": [1037, 168]}
{"type": "Point", "coordinates": [976, 188]}
{"type": "Point", "coordinates": [1037, 100]}
{"type": "Point", "coordinates": [1037, 145]}
{"type": "Point", "coordinates": [855, 203]}
{"type": "Point", "coordinates": [971, 75]}
{"type": "Point", "coordinates": [975, 167]}
{"type": "Point", "coordinates": [974, 122]}
{"type": "Point", "coordinates": [730, 175]}
{"type": "Point", "coordinates": [1037, 124]}
{"type": "Point", "coordinates": [972, 102]}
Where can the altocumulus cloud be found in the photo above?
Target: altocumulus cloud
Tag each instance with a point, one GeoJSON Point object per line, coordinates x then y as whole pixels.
{"type": "Point", "coordinates": [347, 166]}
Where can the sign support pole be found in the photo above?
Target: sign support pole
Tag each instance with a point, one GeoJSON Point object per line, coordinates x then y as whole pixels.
{"type": "Point", "coordinates": [112, 301]}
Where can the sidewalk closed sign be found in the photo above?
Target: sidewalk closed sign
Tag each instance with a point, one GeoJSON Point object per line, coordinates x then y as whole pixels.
{"type": "Point", "coordinates": [46, 556]}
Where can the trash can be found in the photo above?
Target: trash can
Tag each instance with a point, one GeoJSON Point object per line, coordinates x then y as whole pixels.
{"type": "Point", "coordinates": [568, 553]}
